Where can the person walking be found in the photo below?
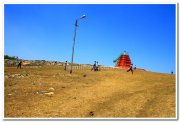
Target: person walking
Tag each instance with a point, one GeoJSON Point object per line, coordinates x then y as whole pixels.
{"type": "Point", "coordinates": [65, 65]}
{"type": "Point", "coordinates": [130, 69]}
{"type": "Point", "coordinates": [19, 65]}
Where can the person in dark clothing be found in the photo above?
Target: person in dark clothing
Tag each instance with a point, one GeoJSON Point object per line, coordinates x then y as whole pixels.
{"type": "Point", "coordinates": [65, 65]}
{"type": "Point", "coordinates": [97, 68]}
{"type": "Point", "coordinates": [19, 65]}
{"type": "Point", "coordinates": [94, 66]}
{"type": "Point", "coordinates": [130, 69]}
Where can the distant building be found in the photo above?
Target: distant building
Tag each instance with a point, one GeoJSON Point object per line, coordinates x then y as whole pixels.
{"type": "Point", "coordinates": [123, 61]}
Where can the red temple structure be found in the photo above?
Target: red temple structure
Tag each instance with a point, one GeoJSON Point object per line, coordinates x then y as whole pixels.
{"type": "Point", "coordinates": [123, 61]}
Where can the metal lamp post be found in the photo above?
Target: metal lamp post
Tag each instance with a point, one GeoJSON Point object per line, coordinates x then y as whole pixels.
{"type": "Point", "coordinates": [76, 25]}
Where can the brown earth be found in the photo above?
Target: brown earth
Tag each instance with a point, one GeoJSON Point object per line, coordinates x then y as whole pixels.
{"type": "Point", "coordinates": [49, 91]}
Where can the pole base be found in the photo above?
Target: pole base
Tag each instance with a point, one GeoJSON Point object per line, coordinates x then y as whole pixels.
{"type": "Point", "coordinates": [70, 71]}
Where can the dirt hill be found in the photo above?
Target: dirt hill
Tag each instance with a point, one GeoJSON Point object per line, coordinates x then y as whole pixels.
{"type": "Point", "coordinates": [49, 91]}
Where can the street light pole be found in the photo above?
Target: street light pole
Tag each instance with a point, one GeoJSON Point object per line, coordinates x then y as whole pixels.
{"type": "Point", "coordinates": [76, 25]}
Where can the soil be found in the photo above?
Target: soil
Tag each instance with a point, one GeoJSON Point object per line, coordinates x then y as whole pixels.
{"type": "Point", "coordinates": [52, 92]}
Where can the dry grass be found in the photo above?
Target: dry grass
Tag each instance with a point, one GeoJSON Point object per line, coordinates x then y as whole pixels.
{"type": "Point", "coordinates": [88, 94]}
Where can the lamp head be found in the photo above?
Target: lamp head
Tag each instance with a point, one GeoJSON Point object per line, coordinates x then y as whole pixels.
{"type": "Point", "coordinates": [83, 16]}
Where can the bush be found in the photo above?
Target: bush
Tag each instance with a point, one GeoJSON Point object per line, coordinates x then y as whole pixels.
{"type": "Point", "coordinates": [11, 57]}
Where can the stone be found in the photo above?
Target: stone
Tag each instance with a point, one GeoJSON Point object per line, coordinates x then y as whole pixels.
{"type": "Point", "coordinates": [16, 76]}
{"type": "Point", "coordinates": [21, 76]}
{"type": "Point", "coordinates": [51, 89]}
{"type": "Point", "coordinates": [12, 76]}
{"type": "Point", "coordinates": [24, 73]}
{"type": "Point", "coordinates": [42, 92]}
{"type": "Point", "coordinates": [49, 94]}
{"type": "Point", "coordinates": [6, 76]}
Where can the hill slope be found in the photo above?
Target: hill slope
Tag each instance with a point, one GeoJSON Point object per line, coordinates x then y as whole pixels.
{"type": "Point", "coordinates": [53, 92]}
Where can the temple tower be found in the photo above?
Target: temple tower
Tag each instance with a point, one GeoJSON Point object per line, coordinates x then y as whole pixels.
{"type": "Point", "coordinates": [123, 61]}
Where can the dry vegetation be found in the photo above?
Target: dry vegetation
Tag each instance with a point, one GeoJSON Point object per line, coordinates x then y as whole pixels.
{"type": "Point", "coordinates": [52, 92]}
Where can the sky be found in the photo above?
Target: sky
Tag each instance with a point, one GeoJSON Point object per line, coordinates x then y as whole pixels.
{"type": "Point", "coordinates": [45, 32]}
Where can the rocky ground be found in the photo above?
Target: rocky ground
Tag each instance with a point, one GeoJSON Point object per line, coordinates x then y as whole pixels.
{"type": "Point", "coordinates": [49, 91]}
